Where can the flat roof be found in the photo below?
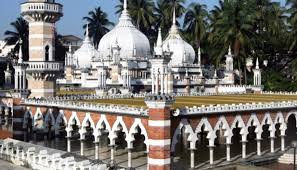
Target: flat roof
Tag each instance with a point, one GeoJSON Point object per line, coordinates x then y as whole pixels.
{"type": "Point", "coordinates": [198, 101]}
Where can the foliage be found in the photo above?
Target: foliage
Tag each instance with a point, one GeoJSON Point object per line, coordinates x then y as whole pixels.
{"type": "Point", "coordinates": [98, 23]}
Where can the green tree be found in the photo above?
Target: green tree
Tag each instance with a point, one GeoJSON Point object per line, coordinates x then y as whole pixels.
{"type": "Point", "coordinates": [234, 25]}
{"type": "Point", "coordinates": [98, 23]}
{"type": "Point", "coordinates": [141, 12]}
{"type": "Point", "coordinates": [20, 32]}
{"type": "Point", "coordinates": [195, 22]}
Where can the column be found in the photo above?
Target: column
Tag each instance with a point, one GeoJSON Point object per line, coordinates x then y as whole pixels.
{"type": "Point", "coordinates": [166, 83]}
{"type": "Point", "coordinates": [129, 158]}
{"type": "Point", "coordinates": [24, 80]}
{"type": "Point", "coordinates": [211, 148]}
{"type": "Point", "coordinates": [228, 154]}
{"type": "Point", "coordinates": [82, 145]}
{"type": "Point", "coordinates": [192, 152]}
{"type": "Point", "coordinates": [244, 149]}
{"type": "Point", "coordinates": [272, 144]}
{"type": "Point", "coordinates": [68, 144]}
{"type": "Point", "coordinates": [153, 83]}
{"type": "Point", "coordinates": [259, 147]}
{"type": "Point", "coordinates": [157, 83]}
{"type": "Point", "coordinates": [100, 80]}
{"type": "Point", "coordinates": [282, 142]}
{"type": "Point", "coordinates": [159, 121]}
{"type": "Point", "coordinates": [162, 82]}
{"type": "Point", "coordinates": [96, 150]}
{"type": "Point", "coordinates": [112, 148]}
{"type": "Point", "coordinates": [16, 80]}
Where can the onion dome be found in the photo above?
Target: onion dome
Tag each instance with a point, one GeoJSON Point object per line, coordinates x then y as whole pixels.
{"type": "Point", "coordinates": [182, 52]}
{"type": "Point", "coordinates": [133, 43]}
{"type": "Point", "coordinates": [85, 54]}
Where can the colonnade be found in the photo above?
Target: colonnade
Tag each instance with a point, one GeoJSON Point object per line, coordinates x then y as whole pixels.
{"type": "Point", "coordinates": [160, 80]}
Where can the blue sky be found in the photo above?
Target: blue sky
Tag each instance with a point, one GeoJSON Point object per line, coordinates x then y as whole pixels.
{"type": "Point", "coordinates": [74, 11]}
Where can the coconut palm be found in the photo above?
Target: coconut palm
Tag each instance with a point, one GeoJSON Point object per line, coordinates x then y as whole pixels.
{"type": "Point", "coordinates": [141, 12]}
{"type": "Point", "coordinates": [98, 23]}
{"type": "Point", "coordinates": [234, 26]}
{"type": "Point", "coordinates": [195, 22]}
{"type": "Point", "coordinates": [164, 13]}
{"type": "Point", "coordinates": [20, 32]}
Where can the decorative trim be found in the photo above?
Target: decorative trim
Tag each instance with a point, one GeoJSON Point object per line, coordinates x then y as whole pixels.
{"type": "Point", "coordinates": [159, 123]}
{"type": "Point", "coordinates": [159, 162]}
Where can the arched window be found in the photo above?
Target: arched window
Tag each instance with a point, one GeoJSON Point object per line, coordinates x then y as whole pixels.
{"type": "Point", "coordinates": [46, 53]}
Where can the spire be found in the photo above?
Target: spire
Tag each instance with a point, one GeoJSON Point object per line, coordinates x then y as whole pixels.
{"type": "Point", "coordinates": [7, 67]}
{"type": "Point", "coordinates": [174, 16]}
{"type": "Point", "coordinates": [199, 56]}
{"type": "Point", "coordinates": [87, 30]}
{"type": "Point", "coordinates": [229, 50]}
{"type": "Point", "coordinates": [215, 76]}
{"type": "Point", "coordinates": [20, 53]}
{"type": "Point", "coordinates": [257, 64]}
{"type": "Point", "coordinates": [159, 41]}
{"type": "Point", "coordinates": [125, 5]}
{"type": "Point", "coordinates": [158, 46]}
{"type": "Point", "coordinates": [70, 48]}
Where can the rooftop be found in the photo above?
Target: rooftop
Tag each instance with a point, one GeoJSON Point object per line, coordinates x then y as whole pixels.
{"type": "Point", "coordinates": [198, 101]}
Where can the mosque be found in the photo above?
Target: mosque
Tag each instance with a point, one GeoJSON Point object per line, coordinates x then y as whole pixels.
{"type": "Point", "coordinates": [124, 62]}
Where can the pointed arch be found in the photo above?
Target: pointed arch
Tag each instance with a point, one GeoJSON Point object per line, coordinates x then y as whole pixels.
{"type": "Point", "coordinates": [203, 122]}
{"type": "Point", "coordinates": [86, 119]}
{"type": "Point", "coordinates": [267, 120]}
{"type": "Point", "coordinates": [100, 123]}
{"type": "Point", "coordinates": [72, 118]}
{"type": "Point", "coordinates": [38, 119]}
{"type": "Point", "coordinates": [61, 118]}
{"type": "Point", "coordinates": [138, 123]}
{"type": "Point", "coordinates": [294, 112]}
{"type": "Point", "coordinates": [28, 115]}
{"type": "Point", "coordinates": [279, 118]}
{"type": "Point", "coordinates": [49, 117]}
{"type": "Point", "coordinates": [188, 129]}
{"type": "Point", "coordinates": [238, 121]}
{"type": "Point", "coordinates": [117, 123]}
{"type": "Point", "coordinates": [253, 121]}
{"type": "Point", "coordinates": [222, 121]}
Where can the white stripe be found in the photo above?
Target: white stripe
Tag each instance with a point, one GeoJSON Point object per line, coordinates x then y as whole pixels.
{"type": "Point", "coordinates": [42, 90]}
{"type": "Point", "coordinates": [159, 123]}
{"type": "Point", "coordinates": [31, 36]}
{"type": "Point", "coordinates": [160, 162]}
{"type": "Point", "coordinates": [163, 142]}
{"type": "Point", "coordinates": [41, 24]}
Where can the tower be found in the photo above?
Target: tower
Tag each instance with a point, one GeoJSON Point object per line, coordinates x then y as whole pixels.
{"type": "Point", "coordinates": [257, 74]}
{"type": "Point", "coordinates": [42, 68]}
{"type": "Point", "coordinates": [229, 70]}
{"type": "Point", "coordinates": [160, 73]}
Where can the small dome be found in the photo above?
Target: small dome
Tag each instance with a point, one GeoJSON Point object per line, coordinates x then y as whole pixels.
{"type": "Point", "coordinates": [85, 54]}
{"type": "Point", "coordinates": [132, 42]}
{"type": "Point", "coordinates": [183, 52]}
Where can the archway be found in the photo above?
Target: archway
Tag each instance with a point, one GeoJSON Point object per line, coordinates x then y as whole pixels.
{"type": "Point", "coordinates": [236, 146]}
{"type": "Point", "coordinates": [291, 129]}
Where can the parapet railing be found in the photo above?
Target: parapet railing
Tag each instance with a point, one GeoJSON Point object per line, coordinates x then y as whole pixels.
{"type": "Point", "coordinates": [235, 107]}
{"type": "Point", "coordinates": [93, 107]}
{"type": "Point", "coordinates": [279, 93]}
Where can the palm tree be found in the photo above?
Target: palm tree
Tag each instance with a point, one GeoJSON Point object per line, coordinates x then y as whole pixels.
{"type": "Point", "coordinates": [195, 22]}
{"type": "Point", "coordinates": [164, 11]}
{"type": "Point", "coordinates": [141, 12]}
{"type": "Point", "coordinates": [21, 32]}
{"type": "Point", "coordinates": [234, 25]}
{"type": "Point", "coordinates": [98, 23]}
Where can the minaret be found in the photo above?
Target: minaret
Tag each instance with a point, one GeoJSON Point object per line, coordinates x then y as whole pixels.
{"type": "Point", "coordinates": [20, 79]}
{"type": "Point", "coordinates": [8, 74]}
{"type": "Point", "coordinates": [229, 69]}
{"type": "Point", "coordinates": [43, 70]}
{"type": "Point", "coordinates": [257, 74]}
{"type": "Point", "coordinates": [158, 49]}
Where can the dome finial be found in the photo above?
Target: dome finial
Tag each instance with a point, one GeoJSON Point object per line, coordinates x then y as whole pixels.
{"type": "Point", "coordinates": [174, 17]}
{"type": "Point", "coordinates": [20, 52]}
{"type": "Point", "coordinates": [125, 5]}
{"type": "Point", "coordinates": [159, 41]}
{"type": "Point", "coordinates": [229, 50]}
{"type": "Point", "coordinates": [87, 30]}
{"type": "Point", "coordinates": [199, 56]}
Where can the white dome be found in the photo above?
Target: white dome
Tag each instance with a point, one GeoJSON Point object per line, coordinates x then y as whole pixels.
{"type": "Point", "coordinates": [132, 42]}
{"type": "Point", "coordinates": [183, 52]}
{"type": "Point", "coordinates": [85, 53]}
